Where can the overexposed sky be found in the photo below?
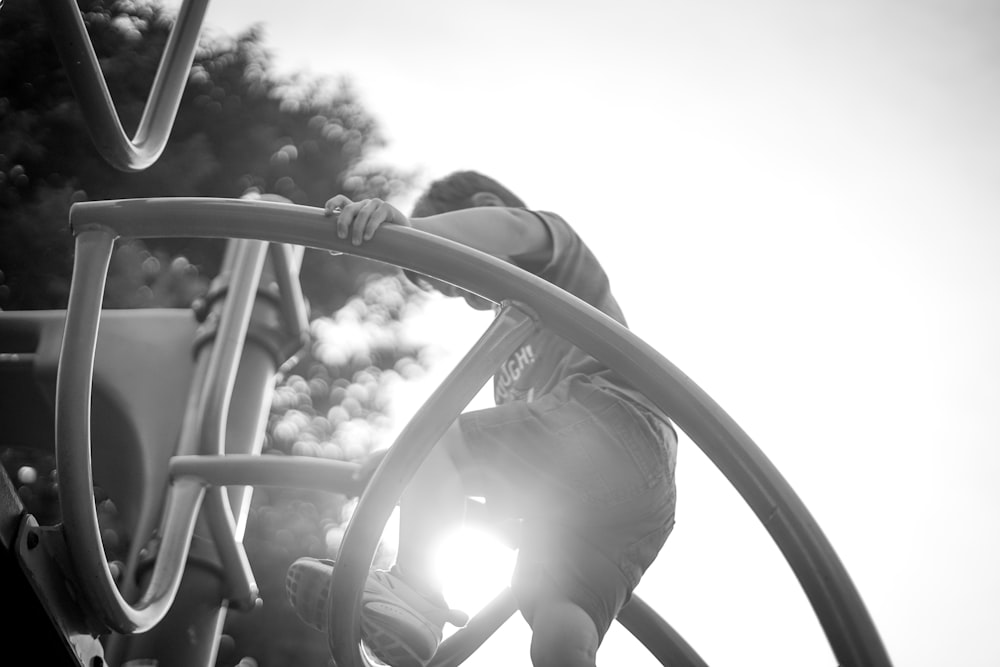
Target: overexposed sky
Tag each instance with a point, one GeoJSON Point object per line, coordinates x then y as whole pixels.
{"type": "Point", "coordinates": [798, 205]}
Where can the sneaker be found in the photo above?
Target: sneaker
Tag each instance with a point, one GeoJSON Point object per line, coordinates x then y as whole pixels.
{"type": "Point", "coordinates": [399, 625]}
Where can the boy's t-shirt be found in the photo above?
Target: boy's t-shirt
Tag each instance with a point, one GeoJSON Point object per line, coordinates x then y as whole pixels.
{"type": "Point", "coordinates": [545, 359]}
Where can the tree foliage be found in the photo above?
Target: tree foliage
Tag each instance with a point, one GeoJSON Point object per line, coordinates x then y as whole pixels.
{"type": "Point", "coordinates": [240, 128]}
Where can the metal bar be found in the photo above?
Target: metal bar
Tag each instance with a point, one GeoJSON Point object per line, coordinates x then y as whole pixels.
{"type": "Point", "coordinates": [242, 586]}
{"type": "Point", "coordinates": [73, 455]}
{"type": "Point", "coordinates": [73, 460]}
{"type": "Point", "coordinates": [845, 619]}
{"type": "Point", "coordinates": [184, 499]}
{"type": "Point", "coordinates": [72, 427]}
{"type": "Point", "coordinates": [286, 260]}
{"type": "Point", "coordinates": [303, 472]}
{"type": "Point", "coordinates": [509, 330]}
{"type": "Point", "coordinates": [212, 412]}
{"type": "Point", "coordinates": [228, 346]}
{"type": "Point", "coordinates": [226, 413]}
{"type": "Point", "coordinates": [100, 115]}
{"type": "Point", "coordinates": [658, 636]}
{"type": "Point", "coordinates": [457, 648]}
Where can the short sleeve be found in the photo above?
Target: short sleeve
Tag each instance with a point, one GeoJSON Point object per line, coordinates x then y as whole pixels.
{"type": "Point", "coordinates": [572, 266]}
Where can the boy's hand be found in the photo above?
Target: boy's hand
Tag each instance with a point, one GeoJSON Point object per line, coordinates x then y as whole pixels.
{"type": "Point", "coordinates": [359, 220]}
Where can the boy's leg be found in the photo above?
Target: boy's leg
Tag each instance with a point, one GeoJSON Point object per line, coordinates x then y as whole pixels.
{"type": "Point", "coordinates": [403, 610]}
{"type": "Point", "coordinates": [563, 635]}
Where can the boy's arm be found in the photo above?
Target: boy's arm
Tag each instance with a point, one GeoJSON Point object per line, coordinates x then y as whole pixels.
{"type": "Point", "coordinates": [502, 232]}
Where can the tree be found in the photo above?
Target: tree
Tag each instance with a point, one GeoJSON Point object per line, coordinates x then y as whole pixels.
{"type": "Point", "coordinates": [240, 128]}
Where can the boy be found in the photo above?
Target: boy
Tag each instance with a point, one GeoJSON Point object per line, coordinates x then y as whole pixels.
{"type": "Point", "coordinates": [571, 449]}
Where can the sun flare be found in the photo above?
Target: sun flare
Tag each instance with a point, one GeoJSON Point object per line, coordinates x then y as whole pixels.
{"type": "Point", "coordinates": [474, 567]}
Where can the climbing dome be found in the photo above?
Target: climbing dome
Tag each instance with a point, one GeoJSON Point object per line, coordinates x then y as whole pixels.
{"type": "Point", "coordinates": [189, 441]}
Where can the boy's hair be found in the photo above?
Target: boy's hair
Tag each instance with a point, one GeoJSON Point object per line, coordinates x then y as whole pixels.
{"type": "Point", "coordinates": [455, 191]}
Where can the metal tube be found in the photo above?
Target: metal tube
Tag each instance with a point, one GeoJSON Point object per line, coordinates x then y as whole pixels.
{"type": "Point", "coordinates": [457, 648]}
{"type": "Point", "coordinates": [73, 459]}
{"type": "Point", "coordinates": [286, 260]}
{"type": "Point", "coordinates": [184, 499]}
{"type": "Point", "coordinates": [72, 427]}
{"type": "Point", "coordinates": [228, 346]}
{"type": "Point", "coordinates": [509, 330]}
{"type": "Point", "coordinates": [302, 472]}
{"type": "Point", "coordinates": [212, 414]}
{"type": "Point", "coordinates": [243, 590]}
{"type": "Point", "coordinates": [100, 115]}
{"type": "Point", "coordinates": [227, 413]}
{"type": "Point", "coordinates": [73, 448]}
{"type": "Point", "coordinates": [658, 636]}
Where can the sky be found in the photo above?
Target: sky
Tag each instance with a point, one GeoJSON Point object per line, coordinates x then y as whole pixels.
{"type": "Point", "coordinates": [798, 205]}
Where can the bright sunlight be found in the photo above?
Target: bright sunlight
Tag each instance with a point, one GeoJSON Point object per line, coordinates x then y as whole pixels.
{"type": "Point", "coordinates": [474, 566]}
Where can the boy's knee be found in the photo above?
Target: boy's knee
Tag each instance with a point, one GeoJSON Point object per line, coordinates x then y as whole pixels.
{"type": "Point", "coordinates": [563, 635]}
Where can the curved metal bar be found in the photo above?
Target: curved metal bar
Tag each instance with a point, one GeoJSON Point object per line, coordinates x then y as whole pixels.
{"type": "Point", "coordinates": [82, 534]}
{"type": "Point", "coordinates": [84, 71]}
{"type": "Point", "coordinates": [658, 636]}
{"type": "Point", "coordinates": [73, 460]}
{"type": "Point", "coordinates": [456, 649]}
{"type": "Point", "coordinates": [839, 608]}
{"type": "Point", "coordinates": [510, 328]}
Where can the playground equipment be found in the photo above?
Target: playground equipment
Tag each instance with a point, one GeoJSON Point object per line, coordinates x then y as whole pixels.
{"type": "Point", "coordinates": [195, 468]}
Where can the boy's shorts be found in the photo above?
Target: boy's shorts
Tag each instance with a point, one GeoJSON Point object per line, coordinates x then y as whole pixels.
{"type": "Point", "coordinates": [591, 475]}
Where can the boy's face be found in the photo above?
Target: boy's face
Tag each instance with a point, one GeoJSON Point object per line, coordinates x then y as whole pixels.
{"type": "Point", "coordinates": [424, 209]}
{"type": "Point", "coordinates": [474, 300]}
